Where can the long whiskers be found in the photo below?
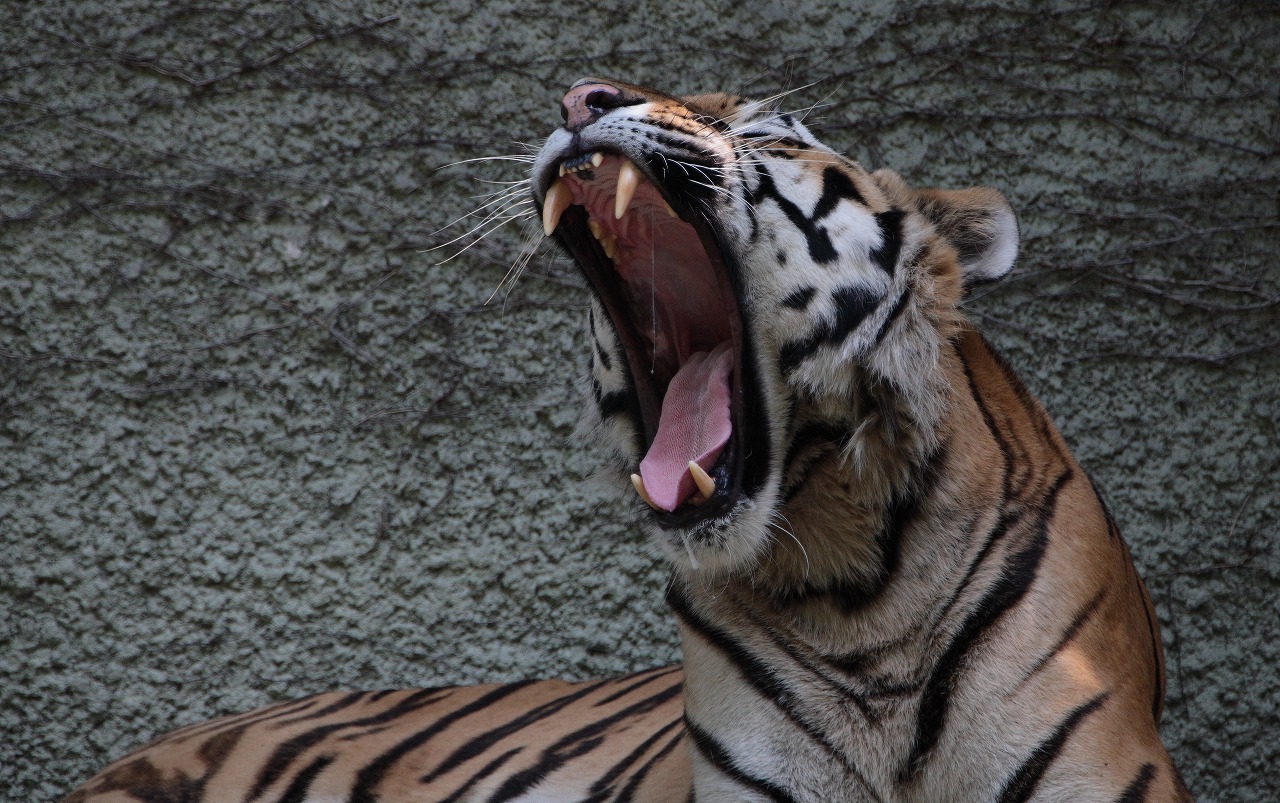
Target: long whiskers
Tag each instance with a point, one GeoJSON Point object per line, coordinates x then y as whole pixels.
{"type": "Point", "coordinates": [790, 533]}
{"type": "Point", "coordinates": [532, 239]}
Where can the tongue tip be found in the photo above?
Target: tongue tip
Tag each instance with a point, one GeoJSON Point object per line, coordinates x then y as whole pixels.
{"type": "Point", "coordinates": [694, 428]}
{"type": "Point", "coordinates": [662, 491]}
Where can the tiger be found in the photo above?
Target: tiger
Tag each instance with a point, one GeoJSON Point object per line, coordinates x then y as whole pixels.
{"type": "Point", "coordinates": [891, 579]}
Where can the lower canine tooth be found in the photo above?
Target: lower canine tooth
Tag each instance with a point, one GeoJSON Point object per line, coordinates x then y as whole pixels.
{"type": "Point", "coordinates": [702, 479]}
{"type": "Point", "coordinates": [559, 196]}
{"type": "Point", "coordinates": [670, 212]}
{"type": "Point", "coordinates": [628, 180]}
{"type": "Point", "coordinates": [638, 483]}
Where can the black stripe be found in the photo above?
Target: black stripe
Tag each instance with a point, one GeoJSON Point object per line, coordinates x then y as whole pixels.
{"type": "Point", "coordinates": [1022, 785]}
{"type": "Point", "coordinates": [758, 674]}
{"type": "Point", "coordinates": [483, 741]}
{"type": "Point", "coordinates": [1136, 791]}
{"type": "Point", "coordinates": [346, 701]}
{"type": "Point", "coordinates": [611, 403]}
{"type": "Point", "coordinates": [603, 787]}
{"type": "Point", "coordinates": [836, 187]}
{"type": "Point", "coordinates": [629, 791]}
{"type": "Point", "coordinates": [1113, 529]}
{"type": "Point", "coordinates": [1034, 410]}
{"type": "Point", "coordinates": [248, 718]}
{"type": "Point", "coordinates": [820, 248]}
{"type": "Point", "coordinates": [1157, 701]}
{"type": "Point", "coordinates": [797, 351]}
{"type": "Point", "coordinates": [372, 773]}
{"type": "Point", "coordinates": [989, 419]}
{"type": "Point", "coordinates": [799, 299]}
{"type": "Point", "coordinates": [719, 757]}
{"type": "Point", "coordinates": [853, 305]}
{"type": "Point", "coordinates": [885, 255]}
{"type": "Point", "coordinates": [1015, 580]}
{"type": "Point", "coordinates": [852, 594]}
{"type": "Point", "coordinates": [648, 678]}
{"type": "Point", "coordinates": [285, 753]}
{"type": "Point", "coordinates": [603, 356]}
{"type": "Point", "coordinates": [1070, 633]}
{"type": "Point", "coordinates": [478, 776]}
{"type": "Point", "coordinates": [578, 743]}
{"type": "Point", "coordinates": [898, 307]}
{"type": "Point", "coordinates": [297, 791]}
{"type": "Point", "coordinates": [816, 440]}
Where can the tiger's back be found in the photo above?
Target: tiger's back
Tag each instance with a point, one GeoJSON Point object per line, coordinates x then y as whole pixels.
{"type": "Point", "coordinates": [519, 741]}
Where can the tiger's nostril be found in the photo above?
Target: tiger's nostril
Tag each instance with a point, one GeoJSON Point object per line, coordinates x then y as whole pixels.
{"type": "Point", "coordinates": [601, 100]}
{"type": "Point", "coordinates": [585, 103]}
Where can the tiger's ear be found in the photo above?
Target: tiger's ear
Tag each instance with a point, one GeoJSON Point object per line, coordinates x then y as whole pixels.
{"type": "Point", "coordinates": [979, 224]}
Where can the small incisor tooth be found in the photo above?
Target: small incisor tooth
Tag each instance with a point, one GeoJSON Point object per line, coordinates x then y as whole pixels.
{"type": "Point", "coordinates": [559, 196]}
{"type": "Point", "coordinates": [628, 180]}
{"type": "Point", "coordinates": [702, 479]}
{"type": "Point", "coordinates": [638, 483]}
{"type": "Point", "coordinates": [597, 159]}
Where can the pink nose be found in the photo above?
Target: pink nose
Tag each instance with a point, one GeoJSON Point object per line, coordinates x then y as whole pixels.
{"type": "Point", "coordinates": [584, 104]}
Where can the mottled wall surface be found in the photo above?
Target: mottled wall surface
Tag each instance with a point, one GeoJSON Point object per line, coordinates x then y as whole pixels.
{"type": "Point", "coordinates": [257, 441]}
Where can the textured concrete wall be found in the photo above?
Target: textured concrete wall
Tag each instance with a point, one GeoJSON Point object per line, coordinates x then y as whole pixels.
{"type": "Point", "coordinates": [255, 442]}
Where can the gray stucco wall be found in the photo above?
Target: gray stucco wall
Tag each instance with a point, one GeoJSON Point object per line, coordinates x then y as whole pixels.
{"type": "Point", "coordinates": [256, 442]}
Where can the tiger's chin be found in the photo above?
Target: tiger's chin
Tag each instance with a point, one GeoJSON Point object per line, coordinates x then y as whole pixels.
{"type": "Point", "coordinates": [729, 546]}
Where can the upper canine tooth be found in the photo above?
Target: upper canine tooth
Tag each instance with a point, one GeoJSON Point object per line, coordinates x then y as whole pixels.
{"type": "Point", "coordinates": [702, 479]}
{"type": "Point", "coordinates": [559, 196]}
{"type": "Point", "coordinates": [628, 180]}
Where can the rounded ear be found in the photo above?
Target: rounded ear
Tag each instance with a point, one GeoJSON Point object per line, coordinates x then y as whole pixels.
{"type": "Point", "coordinates": [979, 224]}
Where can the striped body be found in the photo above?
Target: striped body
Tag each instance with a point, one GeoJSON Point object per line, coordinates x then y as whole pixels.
{"type": "Point", "coordinates": [983, 664]}
{"type": "Point", "coordinates": [892, 580]}
{"type": "Point", "coordinates": [516, 742]}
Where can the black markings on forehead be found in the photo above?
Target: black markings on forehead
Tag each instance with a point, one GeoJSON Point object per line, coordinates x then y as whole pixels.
{"type": "Point", "coordinates": [836, 187]}
{"type": "Point", "coordinates": [885, 255]}
{"type": "Point", "coordinates": [820, 248]}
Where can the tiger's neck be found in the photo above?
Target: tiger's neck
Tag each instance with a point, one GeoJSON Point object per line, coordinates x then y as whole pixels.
{"type": "Point", "coordinates": [841, 622]}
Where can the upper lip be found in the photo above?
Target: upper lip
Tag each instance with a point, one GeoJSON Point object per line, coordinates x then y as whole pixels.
{"type": "Point", "coordinates": [572, 233]}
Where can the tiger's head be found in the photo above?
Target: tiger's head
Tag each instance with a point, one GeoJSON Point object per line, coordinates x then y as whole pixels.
{"type": "Point", "coordinates": [762, 308]}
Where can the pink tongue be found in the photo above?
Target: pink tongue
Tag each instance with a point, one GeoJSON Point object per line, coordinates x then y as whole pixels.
{"type": "Point", "coordinates": [694, 426]}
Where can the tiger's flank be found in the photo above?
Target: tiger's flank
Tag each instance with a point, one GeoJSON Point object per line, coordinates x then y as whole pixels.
{"type": "Point", "coordinates": [892, 580]}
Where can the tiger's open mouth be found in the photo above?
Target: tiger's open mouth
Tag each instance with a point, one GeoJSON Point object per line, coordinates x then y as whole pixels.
{"type": "Point", "coordinates": [655, 261]}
